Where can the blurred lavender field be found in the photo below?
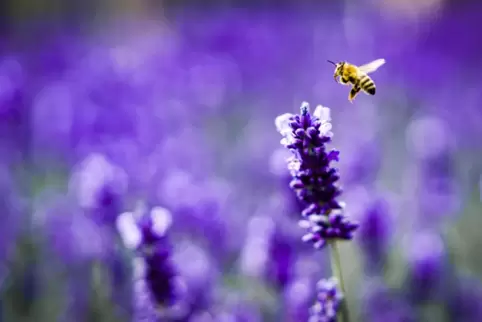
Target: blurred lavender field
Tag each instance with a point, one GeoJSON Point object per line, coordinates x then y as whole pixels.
{"type": "Point", "coordinates": [142, 176]}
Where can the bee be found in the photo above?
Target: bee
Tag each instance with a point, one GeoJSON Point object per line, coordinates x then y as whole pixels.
{"type": "Point", "coordinates": [357, 76]}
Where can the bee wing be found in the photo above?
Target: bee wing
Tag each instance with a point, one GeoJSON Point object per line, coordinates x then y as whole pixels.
{"type": "Point", "coordinates": [372, 66]}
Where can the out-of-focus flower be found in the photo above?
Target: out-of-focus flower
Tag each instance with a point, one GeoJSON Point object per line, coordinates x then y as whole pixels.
{"type": "Point", "coordinates": [12, 79]}
{"type": "Point", "coordinates": [274, 237]}
{"type": "Point", "coordinates": [11, 213]}
{"type": "Point", "coordinates": [144, 308]}
{"type": "Point", "coordinates": [426, 257]}
{"type": "Point", "coordinates": [464, 304]}
{"type": "Point", "coordinates": [14, 111]}
{"type": "Point", "coordinates": [237, 307]}
{"type": "Point", "coordinates": [198, 271]}
{"type": "Point", "coordinates": [147, 235]}
{"type": "Point", "coordinates": [375, 231]}
{"type": "Point", "coordinates": [76, 242]}
{"type": "Point", "coordinates": [428, 137]}
{"type": "Point", "coordinates": [314, 178]}
{"type": "Point", "coordinates": [299, 292]}
{"type": "Point", "coordinates": [412, 10]}
{"type": "Point", "coordinates": [327, 302]}
{"type": "Point", "coordinates": [255, 253]}
{"type": "Point", "coordinates": [74, 236]}
{"type": "Point", "coordinates": [201, 207]}
{"type": "Point", "coordinates": [297, 299]}
{"type": "Point", "coordinates": [364, 163]}
{"type": "Point", "coordinates": [379, 304]}
{"type": "Point", "coordinates": [432, 180]}
{"type": "Point", "coordinates": [99, 187]}
{"type": "Point", "coordinates": [283, 251]}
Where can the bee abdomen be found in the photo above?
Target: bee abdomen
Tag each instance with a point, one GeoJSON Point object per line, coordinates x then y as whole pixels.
{"type": "Point", "coordinates": [367, 84]}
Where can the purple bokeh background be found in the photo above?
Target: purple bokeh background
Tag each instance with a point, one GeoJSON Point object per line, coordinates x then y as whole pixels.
{"type": "Point", "coordinates": [173, 106]}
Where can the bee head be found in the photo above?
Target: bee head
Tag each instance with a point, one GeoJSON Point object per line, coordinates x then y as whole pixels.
{"type": "Point", "coordinates": [338, 68]}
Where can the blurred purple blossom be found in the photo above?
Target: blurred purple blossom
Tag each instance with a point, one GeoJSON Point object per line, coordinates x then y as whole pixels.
{"type": "Point", "coordinates": [433, 180]}
{"type": "Point", "coordinates": [464, 304]}
{"type": "Point", "coordinates": [380, 304]}
{"type": "Point", "coordinates": [199, 273]}
{"type": "Point", "coordinates": [74, 236]}
{"type": "Point", "coordinates": [364, 163]}
{"type": "Point", "coordinates": [275, 239]}
{"type": "Point", "coordinates": [298, 299]}
{"type": "Point", "coordinates": [299, 293]}
{"type": "Point", "coordinates": [202, 207]}
{"type": "Point", "coordinates": [235, 307]}
{"type": "Point", "coordinates": [99, 187]}
{"type": "Point", "coordinates": [374, 235]}
{"type": "Point", "coordinates": [14, 114]}
{"type": "Point", "coordinates": [146, 234]}
{"type": "Point", "coordinates": [12, 214]}
{"type": "Point", "coordinates": [141, 105]}
{"type": "Point", "coordinates": [427, 259]}
{"type": "Point", "coordinates": [254, 258]}
{"type": "Point", "coordinates": [283, 251]}
{"type": "Point", "coordinates": [73, 241]}
{"type": "Point", "coordinates": [327, 302]}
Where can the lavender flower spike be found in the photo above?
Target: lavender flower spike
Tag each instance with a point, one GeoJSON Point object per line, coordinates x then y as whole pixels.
{"type": "Point", "coordinates": [328, 300]}
{"type": "Point", "coordinates": [314, 178]}
{"type": "Point", "coordinates": [315, 184]}
{"type": "Point", "coordinates": [147, 235]}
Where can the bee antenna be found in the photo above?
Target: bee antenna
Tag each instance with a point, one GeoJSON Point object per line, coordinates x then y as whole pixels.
{"type": "Point", "coordinates": [331, 62]}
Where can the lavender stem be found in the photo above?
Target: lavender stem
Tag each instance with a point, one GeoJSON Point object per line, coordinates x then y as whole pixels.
{"type": "Point", "coordinates": [336, 270]}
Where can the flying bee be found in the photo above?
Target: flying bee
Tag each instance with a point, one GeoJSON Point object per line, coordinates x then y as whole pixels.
{"type": "Point", "coordinates": [357, 76]}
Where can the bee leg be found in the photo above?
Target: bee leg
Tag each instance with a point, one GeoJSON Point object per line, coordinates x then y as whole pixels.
{"type": "Point", "coordinates": [353, 93]}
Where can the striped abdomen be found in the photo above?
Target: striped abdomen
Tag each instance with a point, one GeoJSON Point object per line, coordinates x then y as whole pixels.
{"type": "Point", "coordinates": [367, 84]}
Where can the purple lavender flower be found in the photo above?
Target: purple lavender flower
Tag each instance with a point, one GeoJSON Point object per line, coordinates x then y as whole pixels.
{"type": "Point", "coordinates": [328, 300]}
{"type": "Point", "coordinates": [159, 271]}
{"type": "Point", "coordinates": [147, 235]}
{"type": "Point", "coordinates": [314, 178]}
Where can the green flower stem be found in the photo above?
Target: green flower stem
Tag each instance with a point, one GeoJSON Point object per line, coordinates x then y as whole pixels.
{"type": "Point", "coordinates": [343, 313]}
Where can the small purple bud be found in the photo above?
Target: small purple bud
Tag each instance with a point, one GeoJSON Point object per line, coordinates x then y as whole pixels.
{"type": "Point", "coordinates": [300, 133]}
{"type": "Point", "coordinates": [314, 179]}
{"type": "Point", "coordinates": [296, 184]}
{"type": "Point", "coordinates": [294, 125]}
{"type": "Point", "coordinates": [334, 155]}
{"type": "Point", "coordinates": [311, 132]}
{"type": "Point", "coordinates": [304, 109]}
